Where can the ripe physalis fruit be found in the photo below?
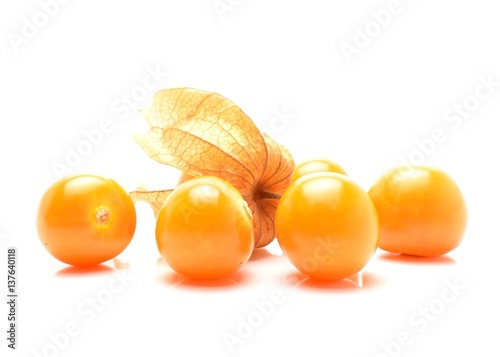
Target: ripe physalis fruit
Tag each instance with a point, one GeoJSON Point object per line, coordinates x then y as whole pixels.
{"type": "Point", "coordinates": [422, 211]}
{"type": "Point", "coordinates": [327, 226]}
{"type": "Point", "coordinates": [204, 229]}
{"type": "Point", "coordinates": [85, 219]}
{"type": "Point", "coordinates": [316, 165]}
{"type": "Point", "coordinates": [204, 134]}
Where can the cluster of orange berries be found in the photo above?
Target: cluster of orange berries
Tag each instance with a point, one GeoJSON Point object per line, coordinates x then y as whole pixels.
{"type": "Point", "coordinates": [326, 224]}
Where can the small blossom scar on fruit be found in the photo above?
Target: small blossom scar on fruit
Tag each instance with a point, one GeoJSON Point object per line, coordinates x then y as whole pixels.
{"type": "Point", "coordinates": [205, 134]}
{"type": "Point", "coordinates": [103, 216]}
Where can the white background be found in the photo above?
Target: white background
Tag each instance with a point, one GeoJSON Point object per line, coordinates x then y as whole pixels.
{"type": "Point", "coordinates": [268, 57]}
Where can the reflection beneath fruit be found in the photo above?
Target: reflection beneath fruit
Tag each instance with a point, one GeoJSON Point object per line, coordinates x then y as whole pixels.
{"type": "Point", "coordinates": [357, 282]}
{"type": "Point", "coordinates": [90, 270]}
{"type": "Point", "coordinates": [231, 281]}
{"type": "Point", "coordinates": [413, 259]}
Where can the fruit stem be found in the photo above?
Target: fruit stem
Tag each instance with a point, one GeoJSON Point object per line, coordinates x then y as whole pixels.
{"type": "Point", "coordinates": [269, 195]}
